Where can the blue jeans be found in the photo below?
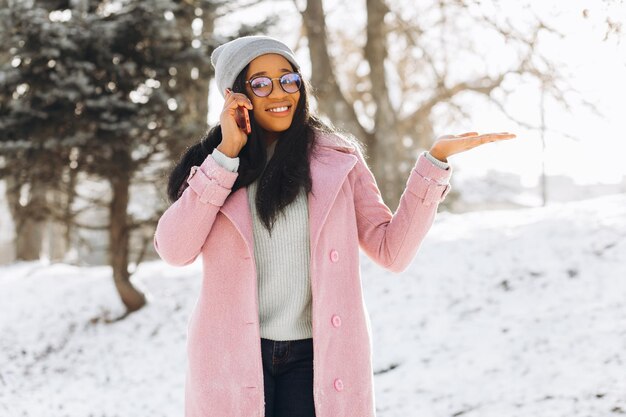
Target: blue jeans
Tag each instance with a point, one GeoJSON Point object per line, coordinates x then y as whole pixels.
{"type": "Point", "coordinates": [288, 377]}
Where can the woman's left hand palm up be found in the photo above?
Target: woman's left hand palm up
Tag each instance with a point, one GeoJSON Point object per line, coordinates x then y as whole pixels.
{"type": "Point", "coordinates": [447, 145]}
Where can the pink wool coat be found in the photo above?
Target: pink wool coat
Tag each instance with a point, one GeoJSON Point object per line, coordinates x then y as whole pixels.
{"type": "Point", "coordinates": [346, 211]}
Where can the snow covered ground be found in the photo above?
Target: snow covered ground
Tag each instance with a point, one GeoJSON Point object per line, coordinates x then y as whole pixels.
{"type": "Point", "coordinates": [503, 313]}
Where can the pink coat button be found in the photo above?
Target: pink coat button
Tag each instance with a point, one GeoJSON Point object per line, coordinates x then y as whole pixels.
{"type": "Point", "coordinates": [334, 255]}
{"type": "Point", "coordinates": [336, 321]}
{"type": "Point", "coordinates": [338, 384]}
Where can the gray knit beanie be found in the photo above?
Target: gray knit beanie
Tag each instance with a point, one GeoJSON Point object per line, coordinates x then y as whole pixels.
{"type": "Point", "coordinates": [230, 58]}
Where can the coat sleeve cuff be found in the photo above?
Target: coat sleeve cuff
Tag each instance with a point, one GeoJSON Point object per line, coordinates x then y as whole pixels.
{"type": "Point", "coordinates": [212, 182]}
{"type": "Point", "coordinates": [428, 181]}
{"type": "Point", "coordinates": [231, 164]}
{"type": "Point", "coordinates": [437, 162]}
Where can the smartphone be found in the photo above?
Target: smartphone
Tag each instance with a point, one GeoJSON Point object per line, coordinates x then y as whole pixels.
{"type": "Point", "coordinates": [243, 119]}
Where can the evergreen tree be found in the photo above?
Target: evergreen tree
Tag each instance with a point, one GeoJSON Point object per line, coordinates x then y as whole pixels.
{"type": "Point", "coordinates": [88, 87]}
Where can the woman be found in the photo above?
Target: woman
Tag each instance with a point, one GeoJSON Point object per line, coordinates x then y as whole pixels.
{"type": "Point", "coordinates": [278, 215]}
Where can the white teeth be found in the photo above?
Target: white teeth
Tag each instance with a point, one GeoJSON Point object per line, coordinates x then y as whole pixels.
{"type": "Point", "coordinates": [279, 109]}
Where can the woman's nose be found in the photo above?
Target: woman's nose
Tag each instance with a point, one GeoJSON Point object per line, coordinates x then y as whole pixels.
{"type": "Point", "coordinates": [277, 90]}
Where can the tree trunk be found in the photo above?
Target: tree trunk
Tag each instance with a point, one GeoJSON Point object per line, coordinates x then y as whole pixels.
{"type": "Point", "coordinates": [57, 239]}
{"type": "Point", "coordinates": [29, 218]}
{"type": "Point", "coordinates": [387, 141]}
{"type": "Point", "coordinates": [330, 99]}
{"type": "Point", "coordinates": [194, 105]}
{"type": "Point", "coordinates": [544, 182]}
{"type": "Point", "coordinates": [119, 231]}
{"type": "Point", "coordinates": [384, 144]}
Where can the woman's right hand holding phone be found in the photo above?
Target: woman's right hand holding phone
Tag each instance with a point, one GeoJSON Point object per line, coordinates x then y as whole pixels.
{"type": "Point", "coordinates": [233, 137]}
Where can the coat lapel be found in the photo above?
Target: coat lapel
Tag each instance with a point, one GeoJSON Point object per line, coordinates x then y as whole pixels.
{"type": "Point", "coordinates": [237, 210]}
{"type": "Point", "coordinates": [329, 169]}
{"type": "Point", "coordinates": [330, 166]}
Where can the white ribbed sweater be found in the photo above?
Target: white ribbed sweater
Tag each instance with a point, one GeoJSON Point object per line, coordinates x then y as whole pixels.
{"type": "Point", "coordinates": [282, 262]}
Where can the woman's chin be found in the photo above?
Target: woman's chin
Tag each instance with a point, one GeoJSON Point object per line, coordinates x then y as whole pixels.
{"type": "Point", "coordinates": [277, 128]}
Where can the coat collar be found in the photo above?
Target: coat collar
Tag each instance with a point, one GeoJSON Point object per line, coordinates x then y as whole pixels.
{"type": "Point", "coordinates": [330, 165]}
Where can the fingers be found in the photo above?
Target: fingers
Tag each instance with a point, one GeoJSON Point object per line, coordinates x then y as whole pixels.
{"type": "Point", "coordinates": [453, 144]}
{"type": "Point", "coordinates": [492, 137]}
{"type": "Point", "coordinates": [500, 135]}
{"type": "Point", "coordinates": [486, 134]}
{"type": "Point", "coordinates": [472, 139]}
{"type": "Point", "coordinates": [234, 100]}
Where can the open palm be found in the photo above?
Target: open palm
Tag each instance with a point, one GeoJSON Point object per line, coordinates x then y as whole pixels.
{"type": "Point", "coordinates": [447, 145]}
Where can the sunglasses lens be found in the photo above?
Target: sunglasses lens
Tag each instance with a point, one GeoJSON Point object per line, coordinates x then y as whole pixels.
{"type": "Point", "coordinates": [261, 86]}
{"type": "Point", "coordinates": [291, 82]}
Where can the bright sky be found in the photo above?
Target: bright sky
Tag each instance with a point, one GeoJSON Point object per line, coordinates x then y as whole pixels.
{"type": "Point", "coordinates": [598, 72]}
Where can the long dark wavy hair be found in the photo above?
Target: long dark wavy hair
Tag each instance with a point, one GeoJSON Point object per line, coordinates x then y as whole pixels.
{"type": "Point", "coordinates": [282, 177]}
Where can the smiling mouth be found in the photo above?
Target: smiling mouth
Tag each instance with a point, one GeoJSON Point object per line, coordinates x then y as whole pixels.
{"type": "Point", "coordinates": [280, 111]}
